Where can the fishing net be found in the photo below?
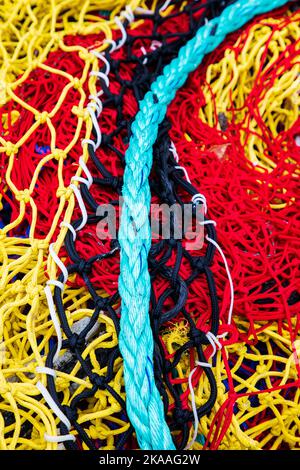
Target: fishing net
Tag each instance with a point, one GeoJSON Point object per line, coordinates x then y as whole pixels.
{"type": "Point", "coordinates": [231, 133]}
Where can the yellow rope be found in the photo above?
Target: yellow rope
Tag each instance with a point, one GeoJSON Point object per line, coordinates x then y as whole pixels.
{"type": "Point", "coordinates": [231, 79]}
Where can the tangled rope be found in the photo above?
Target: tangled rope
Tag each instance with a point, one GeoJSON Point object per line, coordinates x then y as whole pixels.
{"type": "Point", "coordinates": [134, 281]}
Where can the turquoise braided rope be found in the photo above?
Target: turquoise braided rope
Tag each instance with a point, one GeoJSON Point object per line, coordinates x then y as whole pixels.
{"type": "Point", "coordinates": [144, 404]}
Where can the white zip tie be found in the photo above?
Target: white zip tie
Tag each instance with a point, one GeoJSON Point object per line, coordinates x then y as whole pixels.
{"type": "Point", "coordinates": [228, 275]}
{"type": "Point", "coordinates": [144, 11]}
{"type": "Point", "coordinates": [206, 222]}
{"type": "Point", "coordinates": [123, 31]}
{"type": "Point", "coordinates": [193, 402]}
{"type": "Point", "coordinates": [165, 5]}
{"type": "Point", "coordinates": [128, 14]}
{"type": "Point", "coordinates": [51, 403]}
{"type": "Point", "coordinates": [214, 342]}
{"type": "Point", "coordinates": [59, 263]}
{"type": "Point", "coordinates": [144, 52]}
{"type": "Point", "coordinates": [96, 126]}
{"type": "Point", "coordinates": [81, 205]}
{"type": "Point", "coordinates": [94, 73]}
{"type": "Point", "coordinates": [88, 141]}
{"type": "Point", "coordinates": [89, 181]}
{"type": "Point", "coordinates": [95, 106]}
{"type": "Point", "coordinates": [45, 370]}
{"type": "Point", "coordinates": [112, 43]}
{"type": "Point", "coordinates": [97, 103]}
{"type": "Point", "coordinates": [155, 45]}
{"type": "Point", "coordinates": [184, 171]}
{"type": "Point", "coordinates": [54, 319]}
{"type": "Point", "coordinates": [86, 171]}
{"type": "Point", "coordinates": [55, 282]}
{"type": "Point", "coordinates": [70, 227]}
{"type": "Point", "coordinates": [66, 437]}
{"type": "Point", "coordinates": [200, 198]}
{"type": "Point", "coordinates": [102, 57]}
{"type": "Point", "coordinates": [173, 150]}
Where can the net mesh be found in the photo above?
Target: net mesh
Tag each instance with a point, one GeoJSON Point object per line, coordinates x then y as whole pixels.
{"type": "Point", "coordinates": [244, 102]}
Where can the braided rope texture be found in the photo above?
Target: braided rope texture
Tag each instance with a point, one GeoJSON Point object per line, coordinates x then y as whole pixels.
{"type": "Point", "coordinates": [144, 405]}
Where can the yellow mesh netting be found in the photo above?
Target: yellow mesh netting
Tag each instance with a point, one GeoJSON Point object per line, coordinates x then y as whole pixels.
{"type": "Point", "coordinates": [29, 31]}
{"type": "Point", "coordinates": [256, 83]}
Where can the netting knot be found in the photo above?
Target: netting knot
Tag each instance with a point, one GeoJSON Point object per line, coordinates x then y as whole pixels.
{"type": "Point", "coordinates": [37, 245]}
{"type": "Point", "coordinates": [181, 416]}
{"type": "Point", "coordinates": [197, 336]}
{"type": "Point", "coordinates": [266, 400]}
{"type": "Point", "coordinates": [5, 389]}
{"type": "Point", "coordinates": [23, 196]}
{"type": "Point", "coordinates": [101, 303]}
{"type": "Point", "coordinates": [261, 369]}
{"type": "Point", "coordinates": [33, 291]}
{"type": "Point", "coordinates": [11, 149]}
{"type": "Point", "coordinates": [42, 117]}
{"type": "Point", "coordinates": [80, 113]}
{"type": "Point", "coordinates": [17, 287]}
{"type": "Point", "coordinates": [59, 154]}
{"type": "Point", "coordinates": [98, 380]}
{"type": "Point", "coordinates": [76, 83]}
{"type": "Point", "coordinates": [84, 267]}
{"type": "Point", "coordinates": [64, 192]}
{"type": "Point", "coordinates": [86, 56]}
{"type": "Point", "coordinates": [199, 263]}
{"type": "Point", "coordinates": [243, 403]}
{"type": "Point", "coordinates": [76, 342]}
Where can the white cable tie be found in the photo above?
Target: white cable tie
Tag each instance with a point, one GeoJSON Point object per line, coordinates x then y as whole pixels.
{"type": "Point", "coordinates": [228, 275]}
{"type": "Point", "coordinates": [214, 342]}
{"type": "Point", "coordinates": [70, 227]}
{"type": "Point", "coordinates": [144, 11]}
{"type": "Point", "coordinates": [193, 401]}
{"type": "Point", "coordinates": [144, 52]}
{"type": "Point", "coordinates": [102, 57]}
{"type": "Point", "coordinates": [194, 408]}
{"type": "Point", "coordinates": [86, 171]}
{"type": "Point", "coordinates": [59, 263]}
{"type": "Point", "coordinates": [94, 106]}
{"type": "Point", "coordinates": [128, 14]}
{"type": "Point", "coordinates": [51, 403]}
{"type": "Point", "coordinates": [165, 5]}
{"type": "Point", "coordinates": [112, 43]}
{"type": "Point", "coordinates": [45, 370]}
{"type": "Point", "coordinates": [207, 222]}
{"type": "Point", "coordinates": [102, 75]}
{"type": "Point", "coordinates": [203, 364]}
{"type": "Point", "coordinates": [123, 31]}
{"type": "Point", "coordinates": [184, 171]}
{"type": "Point", "coordinates": [88, 141]}
{"type": "Point", "coordinates": [155, 45]}
{"type": "Point", "coordinates": [65, 437]}
{"type": "Point", "coordinates": [98, 103]}
{"type": "Point", "coordinates": [55, 282]}
{"type": "Point", "coordinates": [200, 198]}
{"type": "Point", "coordinates": [173, 150]}
{"type": "Point", "coordinates": [54, 319]}
{"type": "Point", "coordinates": [96, 127]}
{"type": "Point", "coordinates": [81, 205]}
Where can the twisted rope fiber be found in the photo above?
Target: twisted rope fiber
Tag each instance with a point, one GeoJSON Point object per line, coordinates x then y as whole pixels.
{"type": "Point", "coordinates": [144, 405]}
{"type": "Point", "coordinates": [81, 263]}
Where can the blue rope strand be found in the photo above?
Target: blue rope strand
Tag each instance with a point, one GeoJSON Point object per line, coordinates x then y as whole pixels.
{"type": "Point", "coordinates": [144, 404]}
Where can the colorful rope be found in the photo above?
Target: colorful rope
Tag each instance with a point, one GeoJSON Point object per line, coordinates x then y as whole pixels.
{"type": "Point", "coordinates": [144, 405]}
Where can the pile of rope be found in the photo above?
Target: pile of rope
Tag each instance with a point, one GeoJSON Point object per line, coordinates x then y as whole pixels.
{"type": "Point", "coordinates": [231, 133]}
